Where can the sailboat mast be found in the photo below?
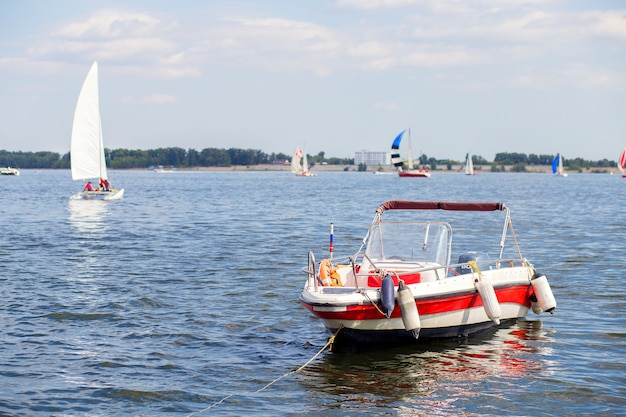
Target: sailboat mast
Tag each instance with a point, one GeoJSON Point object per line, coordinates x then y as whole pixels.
{"type": "Point", "coordinates": [103, 163]}
{"type": "Point", "coordinates": [410, 151]}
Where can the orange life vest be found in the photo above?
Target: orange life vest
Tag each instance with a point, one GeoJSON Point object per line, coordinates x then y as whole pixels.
{"type": "Point", "coordinates": [328, 274]}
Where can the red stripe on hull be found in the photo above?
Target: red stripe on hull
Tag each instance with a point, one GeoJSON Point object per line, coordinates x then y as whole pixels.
{"type": "Point", "coordinates": [516, 295]}
{"type": "Point", "coordinates": [406, 174]}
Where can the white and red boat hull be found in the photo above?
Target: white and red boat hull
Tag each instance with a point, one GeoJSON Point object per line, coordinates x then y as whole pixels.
{"type": "Point", "coordinates": [447, 308]}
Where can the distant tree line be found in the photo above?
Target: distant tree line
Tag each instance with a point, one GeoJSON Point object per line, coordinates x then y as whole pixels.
{"type": "Point", "coordinates": [125, 158]}
{"type": "Point", "coordinates": [33, 160]}
{"type": "Point", "coordinates": [214, 157]}
{"type": "Point", "coordinates": [179, 157]}
{"type": "Point", "coordinates": [520, 159]}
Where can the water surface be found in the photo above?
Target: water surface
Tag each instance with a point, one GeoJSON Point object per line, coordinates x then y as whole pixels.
{"type": "Point", "coordinates": [182, 299]}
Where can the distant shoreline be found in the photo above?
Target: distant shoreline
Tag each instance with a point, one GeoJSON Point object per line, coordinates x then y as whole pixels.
{"type": "Point", "coordinates": [456, 169]}
{"type": "Point", "coordinates": [386, 169]}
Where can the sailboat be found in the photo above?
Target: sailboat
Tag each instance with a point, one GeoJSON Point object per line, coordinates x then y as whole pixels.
{"type": "Point", "coordinates": [469, 165]}
{"type": "Point", "coordinates": [87, 147]}
{"type": "Point", "coordinates": [557, 165]}
{"type": "Point", "coordinates": [622, 163]}
{"type": "Point", "coordinates": [300, 170]}
{"type": "Point", "coordinates": [397, 161]}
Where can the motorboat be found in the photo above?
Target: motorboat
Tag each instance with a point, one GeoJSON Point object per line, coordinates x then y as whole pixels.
{"type": "Point", "coordinates": [401, 286]}
{"type": "Point", "coordinates": [9, 171]}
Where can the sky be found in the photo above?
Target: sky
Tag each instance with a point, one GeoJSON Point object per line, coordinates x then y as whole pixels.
{"type": "Point", "coordinates": [335, 76]}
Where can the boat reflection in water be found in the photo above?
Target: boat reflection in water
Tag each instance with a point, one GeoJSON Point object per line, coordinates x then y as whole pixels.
{"type": "Point", "coordinates": [88, 217]}
{"type": "Point", "coordinates": [438, 376]}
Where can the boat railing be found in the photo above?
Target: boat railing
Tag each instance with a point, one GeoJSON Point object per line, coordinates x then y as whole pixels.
{"type": "Point", "coordinates": [310, 270]}
{"type": "Point", "coordinates": [369, 267]}
{"type": "Point", "coordinates": [488, 265]}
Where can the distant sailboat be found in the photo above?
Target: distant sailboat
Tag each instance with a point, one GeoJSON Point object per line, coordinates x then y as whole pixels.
{"type": "Point", "coordinates": [87, 148]}
{"type": "Point", "coordinates": [469, 165]}
{"type": "Point", "coordinates": [557, 166]}
{"type": "Point", "coordinates": [397, 161]}
{"type": "Point", "coordinates": [622, 163]}
{"type": "Point", "coordinates": [300, 164]}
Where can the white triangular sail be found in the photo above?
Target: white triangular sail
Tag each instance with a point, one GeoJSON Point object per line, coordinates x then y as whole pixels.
{"type": "Point", "coordinates": [296, 168]}
{"type": "Point", "coordinates": [469, 164]}
{"type": "Point", "coordinates": [87, 147]}
{"type": "Point", "coordinates": [410, 161]}
{"type": "Point", "coordinates": [305, 163]}
{"type": "Point", "coordinates": [302, 170]}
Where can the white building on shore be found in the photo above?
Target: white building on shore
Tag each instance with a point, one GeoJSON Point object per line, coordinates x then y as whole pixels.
{"type": "Point", "coordinates": [372, 158]}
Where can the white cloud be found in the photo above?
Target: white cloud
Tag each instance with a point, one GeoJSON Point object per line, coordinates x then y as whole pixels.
{"type": "Point", "coordinates": [373, 5]}
{"type": "Point", "coordinates": [580, 76]}
{"type": "Point", "coordinates": [112, 23]}
{"type": "Point", "coordinates": [135, 43]}
{"type": "Point", "coordinates": [424, 34]}
{"type": "Point", "coordinates": [272, 44]}
{"type": "Point", "coordinates": [589, 78]}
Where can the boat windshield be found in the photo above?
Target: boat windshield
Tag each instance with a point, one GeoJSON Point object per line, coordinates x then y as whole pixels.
{"type": "Point", "coordinates": [410, 242]}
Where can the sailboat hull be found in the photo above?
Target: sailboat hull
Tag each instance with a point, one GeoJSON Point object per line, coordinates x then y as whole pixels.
{"type": "Point", "coordinates": [99, 195]}
{"type": "Point", "coordinates": [414, 173]}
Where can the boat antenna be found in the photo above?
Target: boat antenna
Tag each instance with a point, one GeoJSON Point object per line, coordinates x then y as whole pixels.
{"type": "Point", "coordinates": [330, 244]}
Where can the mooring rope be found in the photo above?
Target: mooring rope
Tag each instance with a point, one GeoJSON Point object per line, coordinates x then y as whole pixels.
{"type": "Point", "coordinates": [366, 295]}
{"type": "Point", "coordinates": [330, 342]}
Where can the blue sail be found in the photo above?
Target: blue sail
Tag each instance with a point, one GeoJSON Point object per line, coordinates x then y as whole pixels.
{"type": "Point", "coordinates": [395, 156]}
{"type": "Point", "coordinates": [555, 163]}
{"type": "Point", "coordinates": [396, 141]}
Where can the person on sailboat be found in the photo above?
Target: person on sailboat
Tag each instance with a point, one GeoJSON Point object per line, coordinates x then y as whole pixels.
{"type": "Point", "coordinates": [105, 185]}
{"type": "Point", "coordinates": [88, 187]}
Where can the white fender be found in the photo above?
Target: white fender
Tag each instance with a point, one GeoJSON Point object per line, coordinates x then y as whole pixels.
{"type": "Point", "coordinates": [543, 292]}
{"type": "Point", "coordinates": [490, 301]}
{"type": "Point", "coordinates": [410, 316]}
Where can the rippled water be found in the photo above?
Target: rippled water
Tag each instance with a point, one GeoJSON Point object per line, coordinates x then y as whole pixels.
{"type": "Point", "coordinates": [182, 299]}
